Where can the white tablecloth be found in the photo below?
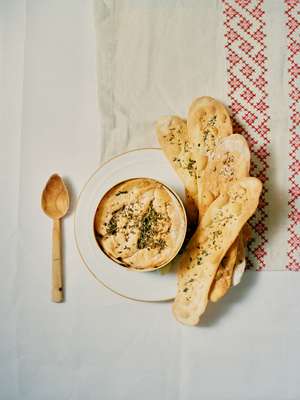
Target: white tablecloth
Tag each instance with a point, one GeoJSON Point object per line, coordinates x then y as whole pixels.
{"type": "Point", "coordinates": [97, 345]}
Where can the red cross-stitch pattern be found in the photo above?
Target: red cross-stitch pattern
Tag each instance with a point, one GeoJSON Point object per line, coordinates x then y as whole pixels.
{"type": "Point", "coordinates": [247, 88]}
{"type": "Point", "coordinates": [292, 12]}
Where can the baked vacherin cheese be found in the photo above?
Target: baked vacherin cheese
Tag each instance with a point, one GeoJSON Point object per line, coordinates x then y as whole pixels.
{"type": "Point", "coordinates": [140, 224]}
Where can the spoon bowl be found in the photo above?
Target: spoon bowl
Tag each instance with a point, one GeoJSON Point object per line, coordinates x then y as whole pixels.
{"type": "Point", "coordinates": [55, 203]}
{"type": "Point", "coordinates": [55, 198]}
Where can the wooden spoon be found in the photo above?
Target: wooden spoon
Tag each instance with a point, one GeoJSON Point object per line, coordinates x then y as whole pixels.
{"type": "Point", "coordinates": [55, 203]}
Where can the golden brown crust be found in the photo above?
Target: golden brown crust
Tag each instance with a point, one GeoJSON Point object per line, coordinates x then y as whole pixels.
{"type": "Point", "coordinates": [217, 231]}
{"type": "Point", "coordinates": [140, 224]}
{"type": "Point", "coordinates": [191, 211]}
{"type": "Point", "coordinates": [247, 233]}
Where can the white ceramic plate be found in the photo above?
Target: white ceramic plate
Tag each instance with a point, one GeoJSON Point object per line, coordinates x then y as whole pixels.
{"type": "Point", "coordinates": [142, 286]}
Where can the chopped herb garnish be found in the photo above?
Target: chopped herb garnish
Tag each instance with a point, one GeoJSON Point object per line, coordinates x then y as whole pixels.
{"type": "Point", "coordinates": [112, 226]}
{"type": "Point", "coordinates": [149, 230]}
{"type": "Point", "coordinates": [191, 164]}
{"type": "Point", "coordinates": [212, 121]}
{"type": "Point", "coordinates": [206, 132]}
{"type": "Point", "coordinates": [121, 192]}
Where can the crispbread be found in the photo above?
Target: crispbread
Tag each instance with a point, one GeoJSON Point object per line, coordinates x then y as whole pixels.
{"type": "Point", "coordinates": [209, 126]}
{"type": "Point", "coordinates": [230, 162]}
{"type": "Point", "coordinates": [173, 138]}
{"type": "Point", "coordinates": [217, 231]}
{"type": "Point", "coordinates": [208, 121]}
{"type": "Point", "coordinates": [210, 144]}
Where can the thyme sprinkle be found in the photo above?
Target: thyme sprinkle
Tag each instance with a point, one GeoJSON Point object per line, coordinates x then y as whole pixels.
{"type": "Point", "coordinates": [212, 121]}
{"type": "Point", "coordinates": [149, 230]}
{"type": "Point", "coordinates": [121, 192]}
{"type": "Point", "coordinates": [112, 227]}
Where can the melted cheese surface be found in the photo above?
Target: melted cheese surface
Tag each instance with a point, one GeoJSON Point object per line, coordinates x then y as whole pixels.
{"type": "Point", "coordinates": [140, 224]}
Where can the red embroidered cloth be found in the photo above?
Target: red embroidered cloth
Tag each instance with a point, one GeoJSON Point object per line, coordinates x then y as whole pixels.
{"type": "Point", "coordinates": [155, 57]}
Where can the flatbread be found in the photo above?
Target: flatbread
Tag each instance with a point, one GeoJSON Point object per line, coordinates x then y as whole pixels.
{"type": "Point", "coordinates": [173, 138]}
{"type": "Point", "coordinates": [217, 231]}
{"type": "Point", "coordinates": [232, 266]}
{"type": "Point", "coordinates": [230, 162]}
{"type": "Point", "coordinates": [207, 123]}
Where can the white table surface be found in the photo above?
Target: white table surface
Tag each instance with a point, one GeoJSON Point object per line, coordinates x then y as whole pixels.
{"type": "Point", "coordinates": [97, 345]}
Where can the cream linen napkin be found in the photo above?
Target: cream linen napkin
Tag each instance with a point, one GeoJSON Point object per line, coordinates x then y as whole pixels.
{"type": "Point", "coordinates": [154, 57]}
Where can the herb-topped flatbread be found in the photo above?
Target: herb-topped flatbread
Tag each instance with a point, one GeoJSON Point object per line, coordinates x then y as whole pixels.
{"type": "Point", "coordinates": [217, 231]}
{"type": "Point", "coordinates": [173, 137]}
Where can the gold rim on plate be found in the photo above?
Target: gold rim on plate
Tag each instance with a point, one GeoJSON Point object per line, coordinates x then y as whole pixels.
{"type": "Point", "coordinates": [77, 245]}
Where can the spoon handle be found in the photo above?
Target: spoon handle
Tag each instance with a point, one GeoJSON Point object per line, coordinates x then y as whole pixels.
{"type": "Point", "coordinates": [57, 279]}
